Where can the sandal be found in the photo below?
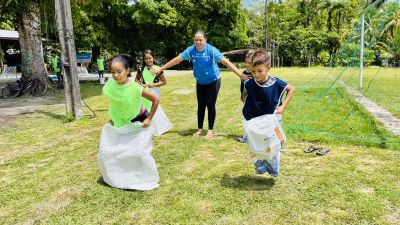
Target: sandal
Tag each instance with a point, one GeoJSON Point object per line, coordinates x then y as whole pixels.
{"type": "Point", "coordinates": [311, 149]}
{"type": "Point", "coordinates": [197, 134]}
{"type": "Point", "coordinates": [322, 151]}
{"type": "Point", "coordinates": [210, 136]}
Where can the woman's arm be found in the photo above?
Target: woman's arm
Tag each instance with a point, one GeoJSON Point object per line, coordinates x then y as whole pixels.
{"type": "Point", "coordinates": [171, 63]}
{"type": "Point", "coordinates": [153, 98]}
{"type": "Point", "coordinates": [233, 68]}
{"type": "Point", "coordinates": [289, 95]}
{"type": "Point", "coordinates": [162, 81]}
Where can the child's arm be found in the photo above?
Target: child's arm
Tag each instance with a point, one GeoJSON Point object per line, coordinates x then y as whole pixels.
{"type": "Point", "coordinates": [289, 95]}
{"type": "Point", "coordinates": [162, 81]}
{"type": "Point", "coordinates": [153, 98]}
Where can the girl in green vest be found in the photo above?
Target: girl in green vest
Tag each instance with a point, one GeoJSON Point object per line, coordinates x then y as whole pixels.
{"type": "Point", "coordinates": [100, 65]}
{"type": "Point", "coordinates": [153, 82]}
{"type": "Point", "coordinates": [125, 95]}
{"type": "Point", "coordinates": [147, 78]}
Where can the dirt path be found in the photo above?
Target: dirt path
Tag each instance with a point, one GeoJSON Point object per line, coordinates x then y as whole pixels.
{"type": "Point", "coordinates": [390, 122]}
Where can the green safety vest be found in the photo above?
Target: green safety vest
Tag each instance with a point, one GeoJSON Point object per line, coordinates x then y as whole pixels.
{"type": "Point", "coordinates": [100, 64]}
{"type": "Point", "coordinates": [124, 101]}
{"type": "Point", "coordinates": [148, 78]}
{"type": "Point", "coordinates": [54, 61]}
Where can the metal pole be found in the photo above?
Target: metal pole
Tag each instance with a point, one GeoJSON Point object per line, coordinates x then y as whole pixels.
{"type": "Point", "coordinates": [360, 84]}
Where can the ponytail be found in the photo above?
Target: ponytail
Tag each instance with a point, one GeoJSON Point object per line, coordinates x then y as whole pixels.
{"type": "Point", "coordinates": [125, 60]}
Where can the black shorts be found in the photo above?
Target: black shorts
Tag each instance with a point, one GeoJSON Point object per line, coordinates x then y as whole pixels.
{"type": "Point", "coordinates": [141, 117]}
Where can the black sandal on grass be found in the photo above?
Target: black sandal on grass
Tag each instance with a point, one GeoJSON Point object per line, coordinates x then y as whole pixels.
{"type": "Point", "coordinates": [311, 149]}
{"type": "Point", "coordinates": [322, 151]}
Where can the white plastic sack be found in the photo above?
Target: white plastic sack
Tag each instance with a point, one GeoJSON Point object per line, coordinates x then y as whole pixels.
{"type": "Point", "coordinates": [265, 137]}
{"type": "Point", "coordinates": [125, 159]}
{"type": "Point", "coordinates": [160, 123]}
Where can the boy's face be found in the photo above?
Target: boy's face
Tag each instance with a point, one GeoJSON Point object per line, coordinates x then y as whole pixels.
{"type": "Point", "coordinates": [53, 54]}
{"type": "Point", "coordinates": [260, 72]}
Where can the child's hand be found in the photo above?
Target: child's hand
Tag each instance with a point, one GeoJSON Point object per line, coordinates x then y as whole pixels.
{"type": "Point", "coordinates": [151, 85]}
{"type": "Point", "coordinates": [146, 123]}
{"type": "Point", "coordinates": [280, 110]}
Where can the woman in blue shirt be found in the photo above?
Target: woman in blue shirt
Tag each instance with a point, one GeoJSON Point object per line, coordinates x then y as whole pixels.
{"type": "Point", "coordinates": [207, 74]}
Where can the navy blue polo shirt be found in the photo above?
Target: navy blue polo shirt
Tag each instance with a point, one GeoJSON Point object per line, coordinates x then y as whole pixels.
{"type": "Point", "coordinates": [262, 99]}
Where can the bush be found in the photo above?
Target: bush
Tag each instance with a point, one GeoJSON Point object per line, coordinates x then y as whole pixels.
{"type": "Point", "coordinates": [323, 58]}
{"type": "Point", "coordinates": [349, 55]}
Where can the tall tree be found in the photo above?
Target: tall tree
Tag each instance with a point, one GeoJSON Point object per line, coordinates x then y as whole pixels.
{"type": "Point", "coordinates": [30, 37]}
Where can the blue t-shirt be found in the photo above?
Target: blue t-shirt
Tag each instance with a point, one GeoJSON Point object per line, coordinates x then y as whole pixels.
{"type": "Point", "coordinates": [262, 99]}
{"type": "Point", "coordinates": [205, 65]}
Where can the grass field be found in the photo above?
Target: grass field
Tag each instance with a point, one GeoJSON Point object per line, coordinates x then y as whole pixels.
{"type": "Point", "coordinates": [379, 84]}
{"type": "Point", "coordinates": [49, 173]}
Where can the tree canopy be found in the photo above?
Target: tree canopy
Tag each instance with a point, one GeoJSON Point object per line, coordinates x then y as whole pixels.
{"type": "Point", "coordinates": [300, 33]}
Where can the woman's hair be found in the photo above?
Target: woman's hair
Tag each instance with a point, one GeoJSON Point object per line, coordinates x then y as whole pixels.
{"type": "Point", "coordinates": [126, 60]}
{"type": "Point", "coordinates": [202, 33]}
{"type": "Point", "coordinates": [261, 57]}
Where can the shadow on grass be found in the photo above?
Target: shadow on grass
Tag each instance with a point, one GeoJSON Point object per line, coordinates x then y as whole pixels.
{"type": "Point", "coordinates": [184, 133]}
{"type": "Point", "coordinates": [232, 136]}
{"type": "Point", "coordinates": [101, 182]}
{"type": "Point", "coordinates": [53, 115]}
{"type": "Point", "coordinates": [247, 182]}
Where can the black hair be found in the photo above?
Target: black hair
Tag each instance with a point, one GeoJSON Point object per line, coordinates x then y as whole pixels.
{"type": "Point", "coordinates": [126, 60]}
{"type": "Point", "coordinates": [201, 32]}
{"type": "Point", "coordinates": [54, 51]}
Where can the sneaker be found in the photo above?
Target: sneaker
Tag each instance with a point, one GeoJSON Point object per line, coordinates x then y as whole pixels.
{"type": "Point", "coordinates": [271, 171]}
{"type": "Point", "coordinates": [283, 148]}
{"type": "Point", "coordinates": [260, 167]}
{"type": "Point", "coordinates": [243, 139]}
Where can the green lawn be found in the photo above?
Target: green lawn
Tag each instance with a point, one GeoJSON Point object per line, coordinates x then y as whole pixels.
{"type": "Point", "coordinates": [49, 174]}
{"type": "Point", "coordinates": [379, 84]}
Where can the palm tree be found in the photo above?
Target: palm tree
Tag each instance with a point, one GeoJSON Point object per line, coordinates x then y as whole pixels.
{"type": "Point", "coordinates": [392, 24]}
{"type": "Point", "coordinates": [391, 49]}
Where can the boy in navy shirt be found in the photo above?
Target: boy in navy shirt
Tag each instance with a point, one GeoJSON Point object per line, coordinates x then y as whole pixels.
{"type": "Point", "coordinates": [263, 97]}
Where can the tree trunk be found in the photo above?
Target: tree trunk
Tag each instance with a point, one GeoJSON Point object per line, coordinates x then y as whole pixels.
{"type": "Point", "coordinates": [31, 44]}
{"type": "Point", "coordinates": [68, 54]}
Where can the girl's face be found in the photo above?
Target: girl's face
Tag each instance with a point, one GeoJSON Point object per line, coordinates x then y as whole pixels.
{"type": "Point", "coordinates": [199, 41]}
{"type": "Point", "coordinates": [119, 72]}
{"type": "Point", "coordinates": [248, 63]}
{"type": "Point", "coordinates": [148, 60]}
